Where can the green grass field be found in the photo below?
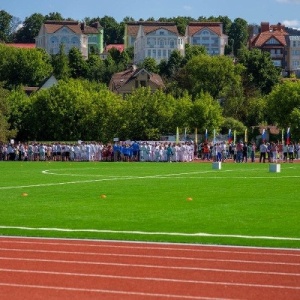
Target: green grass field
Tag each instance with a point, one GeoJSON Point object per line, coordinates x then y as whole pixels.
{"type": "Point", "coordinates": [241, 204]}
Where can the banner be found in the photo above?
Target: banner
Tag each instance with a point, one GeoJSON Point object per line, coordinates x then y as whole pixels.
{"type": "Point", "coordinates": [246, 136]}
{"type": "Point", "coordinates": [288, 136]}
{"type": "Point", "coordinates": [206, 135]}
{"type": "Point", "coordinates": [263, 135]}
{"type": "Point", "coordinates": [229, 136]}
{"type": "Point", "coordinates": [177, 135]}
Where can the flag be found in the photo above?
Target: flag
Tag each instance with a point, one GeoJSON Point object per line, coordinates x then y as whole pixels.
{"type": "Point", "coordinates": [196, 136]}
{"type": "Point", "coordinates": [177, 135]}
{"type": "Point", "coordinates": [234, 136]}
{"type": "Point", "coordinates": [246, 136]}
{"type": "Point", "coordinates": [288, 136]}
{"type": "Point", "coordinates": [206, 135]}
{"type": "Point", "coordinates": [214, 136]}
{"type": "Point", "coordinates": [263, 135]}
{"type": "Point", "coordinates": [229, 136]}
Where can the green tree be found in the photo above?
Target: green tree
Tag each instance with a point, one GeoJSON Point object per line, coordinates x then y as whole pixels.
{"type": "Point", "coordinates": [283, 105]}
{"type": "Point", "coordinates": [216, 75]}
{"type": "Point", "coordinates": [150, 65]}
{"type": "Point", "coordinates": [193, 50]}
{"type": "Point", "coordinates": [55, 16]}
{"type": "Point", "coordinates": [5, 132]}
{"type": "Point", "coordinates": [78, 66]}
{"type": "Point", "coordinates": [238, 35]}
{"type": "Point", "coordinates": [260, 72]}
{"type": "Point", "coordinates": [5, 26]}
{"type": "Point", "coordinates": [20, 114]}
{"type": "Point", "coordinates": [60, 64]}
{"type": "Point", "coordinates": [30, 29]}
{"type": "Point", "coordinates": [95, 68]}
{"type": "Point", "coordinates": [23, 66]}
{"type": "Point", "coordinates": [206, 113]}
{"type": "Point", "coordinates": [147, 115]}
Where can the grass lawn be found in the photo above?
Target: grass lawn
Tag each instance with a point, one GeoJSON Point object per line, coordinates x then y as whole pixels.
{"type": "Point", "coordinates": [241, 204]}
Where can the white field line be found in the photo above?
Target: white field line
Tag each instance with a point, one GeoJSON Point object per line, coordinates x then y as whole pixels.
{"type": "Point", "coordinates": [148, 278]}
{"type": "Point", "coordinates": [103, 291]}
{"type": "Point", "coordinates": [197, 234]}
{"type": "Point", "coordinates": [166, 176]}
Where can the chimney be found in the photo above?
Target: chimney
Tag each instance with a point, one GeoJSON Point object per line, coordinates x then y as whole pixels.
{"type": "Point", "coordinates": [265, 26]}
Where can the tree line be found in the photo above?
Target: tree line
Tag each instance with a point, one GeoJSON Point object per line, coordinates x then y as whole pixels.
{"type": "Point", "coordinates": [202, 91]}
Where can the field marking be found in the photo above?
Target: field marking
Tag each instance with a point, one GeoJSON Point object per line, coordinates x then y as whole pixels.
{"type": "Point", "coordinates": [153, 256]}
{"type": "Point", "coordinates": [157, 279]}
{"type": "Point", "coordinates": [92, 243]}
{"type": "Point", "coordinates": [196, 234]}
{"type": "Point", "coordinates": [48, 287]}
{"type": "Point", "coordinates": [159, 176]}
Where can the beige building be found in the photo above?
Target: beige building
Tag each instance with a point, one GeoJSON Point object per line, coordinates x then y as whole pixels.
{"type": "Point", "coordinates": [207, 34]}
{"type": "Point", "coordinates": [293, 61]}
{"type": "Point", "coordinates": [71, 34]}
{"type": "Point", "coordinates": [125, 82]}
{"type": "Point", "coordinates": [154, 39]}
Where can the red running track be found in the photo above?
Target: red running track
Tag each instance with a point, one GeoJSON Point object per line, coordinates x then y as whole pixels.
{"type": "Point", "coordinates": [32, 268]}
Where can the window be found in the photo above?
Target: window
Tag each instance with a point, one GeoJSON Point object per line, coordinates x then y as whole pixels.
{"type": "Point", "coordinates": [161, 33]}
{"type": "Point", "coordinates": [161, 43]}
{"type": "Point", "coordinates": [272, 41]}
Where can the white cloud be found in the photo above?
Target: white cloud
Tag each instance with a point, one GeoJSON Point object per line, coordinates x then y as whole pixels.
{"type": "Point", "coordinates": [187, 7]}
{"type": "Point", "coordinates": [289, 1]}
{"type": "Point", "coordinates": [291, 23]}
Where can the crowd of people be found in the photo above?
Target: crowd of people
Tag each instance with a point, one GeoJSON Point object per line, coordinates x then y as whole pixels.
{"type": "Point", "coordinates": [96, 151]}
{"type": "Point", "coordinates": [147, 151]}
{"type": "Point", "coordinates": [242, 152]}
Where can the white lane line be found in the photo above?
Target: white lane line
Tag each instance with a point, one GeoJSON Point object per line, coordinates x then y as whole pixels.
{"type": "Point", "coordinates": [145, 256]}
{"type": "Point", "coordinates": [103, 291]}
{"type": "Point", "coordinates": [177, 247]}
{"type": "Point", "coordinates": [238, 261]}
{"type": "Point", "coordinates": [213, 270]}
{"type": "Point", "coordinates": [199, 234]}
{"type": "Point", "coordinates": [272, 286]}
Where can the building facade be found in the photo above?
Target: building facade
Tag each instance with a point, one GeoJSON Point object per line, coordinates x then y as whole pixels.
{"type": "Point", "coordinates": [207, 34]}
{"type": "Point", "coordinates": [70, 34]}
{"type": "Point", "coordinates": [293, 52]}
{"type": "Point", "coordinates": [273, 39]}
{"type": "Point", "coordinates": [157, 40]}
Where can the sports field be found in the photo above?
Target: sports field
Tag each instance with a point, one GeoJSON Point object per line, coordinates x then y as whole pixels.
{"type": "Point", "coordinates": [241, 204]}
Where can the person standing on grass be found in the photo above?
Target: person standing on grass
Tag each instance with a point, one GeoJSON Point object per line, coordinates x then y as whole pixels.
{"type": "Point", "coordinates": [245, 153]}
{"type": "Point", "coordinates": [263, 150]}
{"type": "Point", "coordinates": [253, 149]}
{"type": "Point", "coordinates": [291, 150]}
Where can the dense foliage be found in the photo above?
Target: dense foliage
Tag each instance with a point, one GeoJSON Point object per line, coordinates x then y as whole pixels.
{"type": "Point", "coordinates": [202, 91]}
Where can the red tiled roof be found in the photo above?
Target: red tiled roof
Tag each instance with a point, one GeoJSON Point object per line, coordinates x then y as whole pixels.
{"type": "Point", "coordinates": [133, 27]}
{"type": "Point", "coordinates": [275, 31]}
{"type": "Point", "coordinates": [263, 37]}
{"type": "Point", "coordinates": [24, 46]}
{"type": "Point", "coordinates": [119, 47]}
{"type": "Point", "coordinates": [120, 79]}
{"type": "Point", "coordinates": [53, 26]}
{"type": "Point", "coordinates": [194, 27]}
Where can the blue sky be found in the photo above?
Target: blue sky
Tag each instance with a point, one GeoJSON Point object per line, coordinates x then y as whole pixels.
{"type": "Point", "coordinates": [253, 11]}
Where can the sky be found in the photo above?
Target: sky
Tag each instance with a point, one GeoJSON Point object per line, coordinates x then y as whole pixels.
{"type": "Point", "coordinates": [286, 12]}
